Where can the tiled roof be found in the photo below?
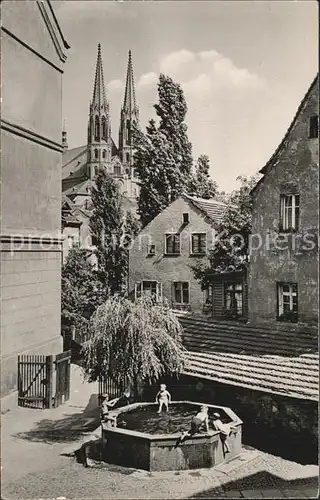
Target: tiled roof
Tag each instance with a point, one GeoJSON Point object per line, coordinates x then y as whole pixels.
{"type": "Point", "coordinates": [279, 362]}
{"type": "Point", "coordinates": [214, 209]}
{"type": "Point", "coordinates": [74, 161]}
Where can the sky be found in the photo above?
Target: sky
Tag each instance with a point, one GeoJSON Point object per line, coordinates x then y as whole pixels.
{"type": "Point", "coordinates": [244, 67]}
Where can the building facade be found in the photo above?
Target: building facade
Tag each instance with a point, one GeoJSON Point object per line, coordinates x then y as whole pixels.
{"type": "Point", "coordinates": [33, 56]}
{"type": "Point", "coordinates": [81, 164]}
{"type": "Point", "coordinates": [283, 282]}
{"type": "Point", "coordinates": [161, 256]}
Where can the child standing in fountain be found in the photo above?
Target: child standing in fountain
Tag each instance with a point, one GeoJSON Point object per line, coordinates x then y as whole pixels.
{"type": "Point", "coordinates": [225, 431]}
{"type": "Point", "coordinates": [163, 398]}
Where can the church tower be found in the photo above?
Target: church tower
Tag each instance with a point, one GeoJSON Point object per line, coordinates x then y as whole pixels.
{"type": "Point", "coordinates": [99, 126]}
{"type": "Point", "coordinates": [128, 118]}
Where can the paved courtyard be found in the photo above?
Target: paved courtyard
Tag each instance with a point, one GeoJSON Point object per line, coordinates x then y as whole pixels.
{"type": "Point", "coordinates": [34, 465]}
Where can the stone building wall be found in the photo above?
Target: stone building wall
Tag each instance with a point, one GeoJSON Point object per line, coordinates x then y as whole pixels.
{"type": "Point", "coordinates": [284, 257]}
{"type": "Point", "coordinates": [32, 57]}
{"type": "Point", "coordinates": [164, 268]}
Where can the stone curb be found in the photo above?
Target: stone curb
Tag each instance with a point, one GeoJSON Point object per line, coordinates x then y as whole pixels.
{"type": "Point", "coordinates": [85, 440]}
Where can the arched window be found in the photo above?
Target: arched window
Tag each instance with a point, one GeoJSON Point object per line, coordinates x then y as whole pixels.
{"type": "Point", "coordinates": [104, 128]}
{"type": "Point", "coordinates": [96, 129]}
{"type": "Point", "coordinates": [104, 153]}
{"type": "Point", "coordinates": [117, 170]}
{"type": "Point", "coordinates": [128, 132]}
{"type": "Point", "coordinates": [96, 154]}
{"type": "Point", "coordinates": [128, 157]}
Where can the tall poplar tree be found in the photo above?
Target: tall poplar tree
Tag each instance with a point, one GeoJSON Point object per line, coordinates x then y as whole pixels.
{"type": "Point", "coordinates": [163, 156]}
{"type": "Point", "coordinates": [201, 184]}
{"type": "Point", "coordinates": [111, 232]}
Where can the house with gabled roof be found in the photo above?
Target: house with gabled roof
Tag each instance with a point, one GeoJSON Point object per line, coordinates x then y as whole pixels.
{"type": "Point", "coordinates": [162, 254]}
{"type": "Point", "coordinates": [283, 283]}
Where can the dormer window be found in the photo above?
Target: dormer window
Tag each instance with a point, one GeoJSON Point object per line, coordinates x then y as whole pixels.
{"type": "Point", "coordinates": [185, 218]}
{"type": "Point", "coordinates": [314, 127]}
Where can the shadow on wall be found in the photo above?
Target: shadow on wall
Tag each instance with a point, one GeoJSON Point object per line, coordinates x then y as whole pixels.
{"type": "Point", "coordinates": [264, 481]}
{"type": "Point", "coordinates": [67, 429]}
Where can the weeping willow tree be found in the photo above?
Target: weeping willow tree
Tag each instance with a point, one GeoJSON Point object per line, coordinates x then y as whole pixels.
{"type": "Point", "coordinates": [140, 341]}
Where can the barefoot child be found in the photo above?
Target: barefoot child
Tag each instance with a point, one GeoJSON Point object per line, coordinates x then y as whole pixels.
{"type": "Point", "coordinates": [163, 398]}
{"type": "Point", "coordinates": [105, 405]}
{"type": "Point", "coordinates": [199, 420]}
{"type": "Point", "coordinates": [225, 431]}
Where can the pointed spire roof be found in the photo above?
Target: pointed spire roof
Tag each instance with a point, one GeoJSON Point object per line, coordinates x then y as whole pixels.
{"type": "Point", "coordinates": [99, 92]}
{"type": "Point", "coordinates": [129, 96]}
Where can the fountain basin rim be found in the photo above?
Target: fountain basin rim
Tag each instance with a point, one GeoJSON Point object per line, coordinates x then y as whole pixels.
{"type": "Point", "coordinates": [162, 437]}
{"type": "Point", "coordinates": [235, 420]}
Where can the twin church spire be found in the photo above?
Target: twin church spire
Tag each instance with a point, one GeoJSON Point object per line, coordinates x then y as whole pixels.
{"type": "Point", "coordinates": [100, 143]}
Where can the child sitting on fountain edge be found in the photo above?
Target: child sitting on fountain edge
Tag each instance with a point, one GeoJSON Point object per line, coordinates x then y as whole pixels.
{"type": "Point", "coordinates": [163, 398]}
{"type": "Point", "coordinates": [198, 420]}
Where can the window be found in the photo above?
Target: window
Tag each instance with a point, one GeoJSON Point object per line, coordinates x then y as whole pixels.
{"type": "Point", "coordinates": [181, 293]}
{"type": "Point", "coordinates": [117, 170]}
{"type": "Point", "coordinates": [151, 289]}
{"type": "Point", "coordinates": [73, 241]}
{"type": "Point", "coordinates": [104, 153]}
{"type": "Point", "coordinates": [208, 299]}
{"type": "Point", "coordinates": [104, 128]}
{"type": "Point", "coordinates": [198, 243]}
{"type": "Point", "coordinates": [96, 129]}
{"type": "Point", "coordinates": [96, 154]}
{"type": "Point", "coordinates": [128, 132]}
{"type": "Point", "coordinates": [233, 300]}
{"type": "Point", "coordinates": [173, 244]}
{"type": "Point", "coordinates": [185, 218]}
{"type": "Point", "coordinates": [314, 127]}
{"type": "Point", "coordinates": [287, 302]}
{"type": "Point", "coordinates": [208, 295]}
{"type": "Point", "coordinates": [128, 157]}
{"type": "Point", "coordinates": [151, 249]}
{"type": "Point", "coordinates": [289, 212]}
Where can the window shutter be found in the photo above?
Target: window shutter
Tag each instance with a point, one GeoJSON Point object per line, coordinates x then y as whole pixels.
{"type": "Point", "coordinates": [173, 299]}
{"type": "Point", "coordinates": [159, 291]}
{"type": "Point", "coordinates": [137, 290]}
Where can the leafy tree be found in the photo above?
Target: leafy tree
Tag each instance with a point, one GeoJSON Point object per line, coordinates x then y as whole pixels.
{"type": "Point", "coordinates": [81, 292]}
{"type": "Point", "coordinates": [163, 156]}
{"type": "Point", "coordinates": [140, 341]}
{"type": "Point", "coordinates": [231, 245]}
{"type": "Point", "coordinates": [201, 184]}
{"type": "Point", "coordinates": [111, 232]}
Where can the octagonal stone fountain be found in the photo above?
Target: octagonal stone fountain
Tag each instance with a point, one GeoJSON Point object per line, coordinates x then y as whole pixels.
{"type": "Point", "coordinates": [142, 439]}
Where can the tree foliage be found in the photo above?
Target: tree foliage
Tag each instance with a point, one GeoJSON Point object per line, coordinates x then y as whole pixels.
{"type": "Point", "coordinates": [200, 184]}
{"type": "Point", "coordinates": [163, 156]}
{"type": "Point", "coordinates": [231, 245]}
{"type": "Point", "coordinates": [111, 232]}
{"type": "Point", "coordinates": [81, 292]}
{"type": "Point", "coordinates": [137, 340]}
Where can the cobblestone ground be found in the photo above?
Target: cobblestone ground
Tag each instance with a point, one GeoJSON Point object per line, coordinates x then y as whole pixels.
{"type": "Point", "coordinates": [254, 475]}
{"type": "Point", "coordinates": [33, 466]}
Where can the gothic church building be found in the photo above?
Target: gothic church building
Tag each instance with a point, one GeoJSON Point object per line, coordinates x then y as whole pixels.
{"type": "Point", "coordinates": [80, 164]}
